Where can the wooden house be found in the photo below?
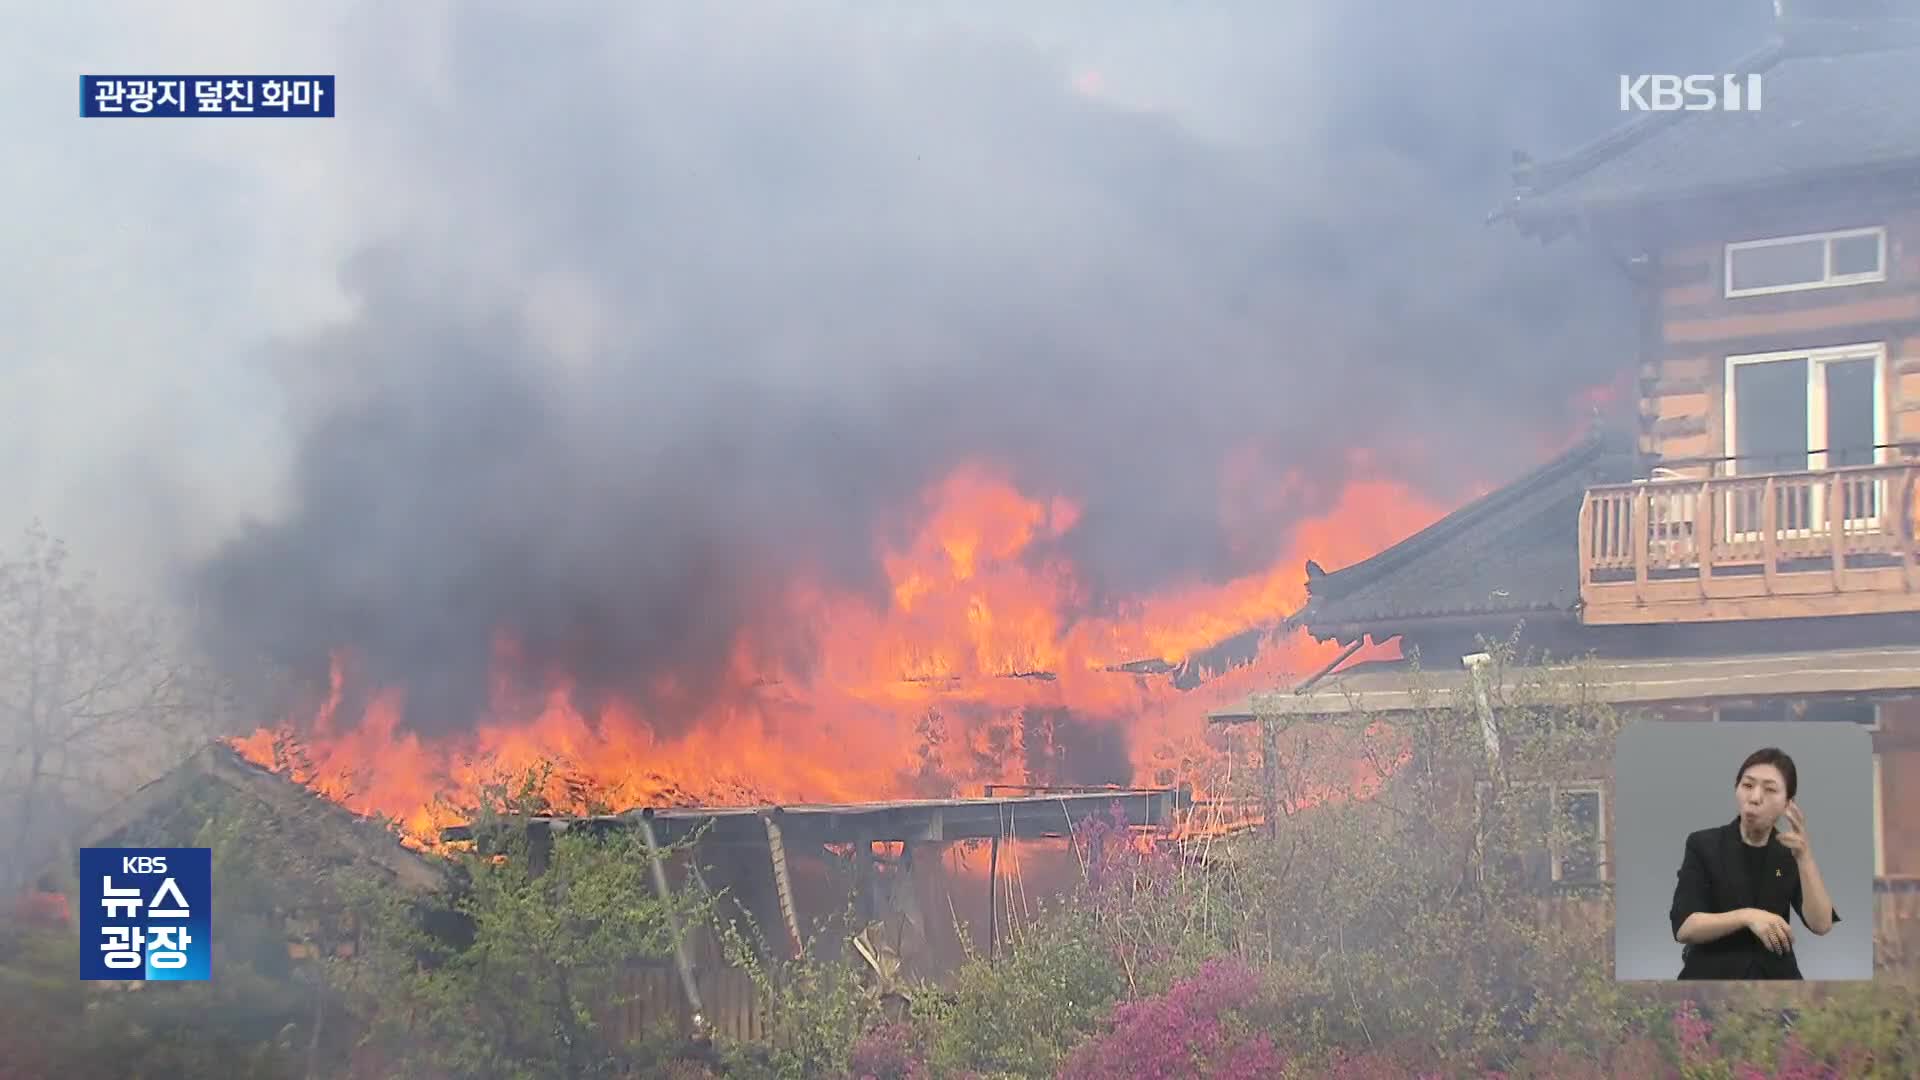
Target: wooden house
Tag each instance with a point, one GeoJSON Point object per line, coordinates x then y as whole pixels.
{"type": "Point", "coordinates": [292, 836]}
{"type": "Point", "coordinates": [1750, 551]}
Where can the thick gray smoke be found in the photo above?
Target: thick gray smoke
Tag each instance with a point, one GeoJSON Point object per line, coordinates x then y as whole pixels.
{"type": "Point", "coordinates": [700, 301]}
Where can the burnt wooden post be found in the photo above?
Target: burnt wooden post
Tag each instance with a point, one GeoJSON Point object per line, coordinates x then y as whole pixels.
{"type": "Point", "coordinates": [681, 962]}
{"type": "Point", "coordinates": [865, 911]}
{"type": "Point", "coordinates": [916, 936]}
{"type": "Point", "coordinates": [539, 847]}
{"type": "Point", "coordinates": [993, 888]}
{"type": "Point", "coordinates": [912, 942]}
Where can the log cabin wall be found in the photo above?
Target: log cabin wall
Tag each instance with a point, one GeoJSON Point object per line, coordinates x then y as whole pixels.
{"type": "Point", "coordinates": [1682, 415]}
{"type": "Point", "coordinates": [1897, 748]}
{"type": "Point", "coordinates": [1897, 744]}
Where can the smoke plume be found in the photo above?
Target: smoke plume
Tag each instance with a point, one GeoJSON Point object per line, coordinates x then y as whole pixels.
{"type": "Point", "coordinates": [670, 306]}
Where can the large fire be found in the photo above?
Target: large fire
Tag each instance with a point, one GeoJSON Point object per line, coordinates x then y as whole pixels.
{"type": "Point", "coordinates": [982, 666]}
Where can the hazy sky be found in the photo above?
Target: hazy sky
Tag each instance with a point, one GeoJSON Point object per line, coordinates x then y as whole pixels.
{"type": "Point", "coordinates": [607, 308]}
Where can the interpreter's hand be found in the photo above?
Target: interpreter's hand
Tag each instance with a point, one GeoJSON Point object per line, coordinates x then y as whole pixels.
{"type": "Point", "coordinates": [1771, 929]}
{"type": "Point", "coordinates": [1795, 839]}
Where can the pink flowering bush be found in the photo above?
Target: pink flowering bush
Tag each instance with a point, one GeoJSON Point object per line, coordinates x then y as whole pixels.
{"type": "Point", "coordinates": [1692, 1037]}
{"type": "Point", "coordinates": [888, 1052]}
{"type": "Point", "coordinates": [1771, 1050]}
{"type": "Point", "coordinates": [1195, 1029]}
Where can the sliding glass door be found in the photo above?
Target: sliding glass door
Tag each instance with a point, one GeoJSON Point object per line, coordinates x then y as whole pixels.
{"type": "Point", "coordinates": [1813, 409]}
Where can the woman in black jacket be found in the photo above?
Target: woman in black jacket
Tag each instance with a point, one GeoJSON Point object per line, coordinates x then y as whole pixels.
{"type": "Point", "coordinates": [1738, 881]}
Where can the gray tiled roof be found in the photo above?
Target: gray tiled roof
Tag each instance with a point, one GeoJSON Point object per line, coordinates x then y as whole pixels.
{"type": "Point", "coordinates": [1515, 550]}
{"type": "Point", "coordinates": [1821, 114]}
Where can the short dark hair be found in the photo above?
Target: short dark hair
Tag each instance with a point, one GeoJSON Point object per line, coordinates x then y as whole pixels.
{"type": "Point", "coordinates": [1776, 757]}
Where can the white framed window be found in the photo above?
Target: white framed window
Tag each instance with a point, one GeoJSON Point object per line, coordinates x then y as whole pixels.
{"type": "Point", "coordinates": [1808, 261]}
{"type": "Point", "coordinates": [1879, 834]}
{"type": "Point", "coordinates": [1581, 856]}
{"type": "Point", "coordinates": [1570, 820]}
{"type": "Point", "coordinates": [1807, 408]}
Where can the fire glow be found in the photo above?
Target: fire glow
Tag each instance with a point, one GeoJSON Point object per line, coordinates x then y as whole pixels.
{"type": "Point", "coordinates": [980, 666]}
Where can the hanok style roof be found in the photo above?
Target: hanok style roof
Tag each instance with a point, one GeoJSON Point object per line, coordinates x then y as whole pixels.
{"type": "Point", "coordinates": [311, 818]}
{"type": "Point", "coordinates": [1025, 816]}
{"type": "Point", "coordinates": [1838, 101]}
{"type": "Point", "coordinates": [1641, 681]}
{"type": "Point", "coordinates": [1514, 551]}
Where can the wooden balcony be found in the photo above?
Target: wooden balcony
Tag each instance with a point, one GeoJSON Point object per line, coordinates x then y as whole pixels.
{"type": "Point", "coordinates": [1779, 545]}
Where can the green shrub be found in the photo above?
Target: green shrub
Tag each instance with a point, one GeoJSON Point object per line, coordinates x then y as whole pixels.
{"type": "Point", "coordinates": [1022, 1014]}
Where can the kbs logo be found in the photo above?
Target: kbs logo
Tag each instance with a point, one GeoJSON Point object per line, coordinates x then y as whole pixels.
{"type": "Point", "coordinates": [146, 914]}
{"type": "Point", "coordinates": [1692, 93]}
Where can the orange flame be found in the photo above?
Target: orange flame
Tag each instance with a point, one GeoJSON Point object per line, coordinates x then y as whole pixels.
{"type": "Point", "coordinates": [981, 665]}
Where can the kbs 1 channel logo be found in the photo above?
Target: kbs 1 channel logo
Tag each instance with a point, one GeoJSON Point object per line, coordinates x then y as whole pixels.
{"type": "Point", "coordinates": [146, 914]}
{"type": "Point", "coordinates": [1690, 93]}
{"type": "Point", "coordinates": [157, 96]}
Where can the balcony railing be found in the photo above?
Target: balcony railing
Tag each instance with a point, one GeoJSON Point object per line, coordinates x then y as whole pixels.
{"type": "Point", "coordinates": [1780, 545]}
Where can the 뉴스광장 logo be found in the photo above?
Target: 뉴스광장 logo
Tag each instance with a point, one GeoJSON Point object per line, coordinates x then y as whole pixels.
{"type": "Point", "coordinates": [1692, 93]}
{"type": "Point", "coordinates": [146, 914]}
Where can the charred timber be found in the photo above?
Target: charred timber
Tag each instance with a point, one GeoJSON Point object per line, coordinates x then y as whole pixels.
{"type": "Point", "coordinates": [1222, 656]}
{"type": "Point", "coordinates": [1030, 816]}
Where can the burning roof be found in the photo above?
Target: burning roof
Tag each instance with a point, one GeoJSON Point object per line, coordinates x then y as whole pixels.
{"type": "Point", "coordinates": [927, 689]}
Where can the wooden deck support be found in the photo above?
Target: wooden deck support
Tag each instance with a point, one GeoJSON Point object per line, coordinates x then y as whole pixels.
{"type": "Point", "coordinates": [783, 885]}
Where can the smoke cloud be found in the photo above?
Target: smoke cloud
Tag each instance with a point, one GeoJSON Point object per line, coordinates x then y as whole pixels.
{"type": "Point", "coordinates": [655, 309]}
